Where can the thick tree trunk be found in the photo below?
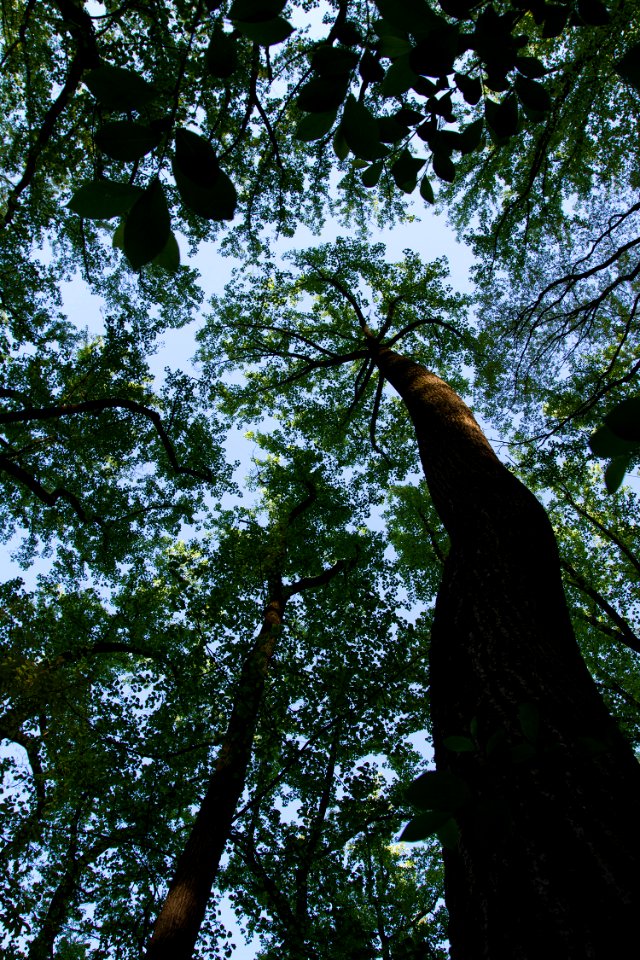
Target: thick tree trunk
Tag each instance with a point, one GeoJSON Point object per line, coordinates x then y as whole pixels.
{"type": "Point", "coordinates": [548, 860]}
{"type": "Point", "coordinates": [183, 910]}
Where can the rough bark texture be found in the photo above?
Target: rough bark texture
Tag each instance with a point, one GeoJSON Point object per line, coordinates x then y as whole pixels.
{"type": "Point", "coordinates": [183, 911]}
{"type": "Point", "coordinates": [548, 861]}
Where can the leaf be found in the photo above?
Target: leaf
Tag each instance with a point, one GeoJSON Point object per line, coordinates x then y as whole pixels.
{"type": "Point", "coordinates": [255, 11]}
{"type": "Point", "coordinates": [449, 834]}
{"type": "Point", "coordinates": [119, 89]}
{"type": "Point", "coordinates": [434, 56]}
{"type": "Point", "coordinates": [103, 199]}
{"type": "Point", "coordinates": [370, 68]}
{"type": "Point", "coordinates": [532, 95]}
{"type": "Point", "coordinates": [371, 175]}
{"type": "Point", "coordinates": [438, 790]}
{"type": "Point", "coordinates": [216, 200]}
{"type": "Point", "coordinates": [169, 256]}
{"type": "Point", "coordinates": [390, 131]}
{"type": "Point", "coordinates": [126, 140]}
{"type": "Point", "coordinates": [530, 67]}
{"type": "Point", "coordinates": [426, 191]}
{"type": "Point", "coordinates": [117, 241]}
{"type": "Point", "coordinates": [399, 77]}
{"type": "Point", "coordinates": [424, 825]}
{"type": "Point", "coordinates": [405, 171]}
{"type": "Point", "coordinates": [221, 58]}
{"type": "Point", "coordinates": [605, 443]}
{"type": "Point", "coordinates": [443, 167]}
{"type": "Point", "coordinates": [340, 145]}
{"type": "Point", "coordinates": [615, 473]}
{"type": "Point", "coordinates": [555, 20]}
{"type": "Point", "coordinates": [321, 95]}
{"type": "Point", "coordinates": [593, 13]}
{"type": "Point", "coordinates": [628, 66]}
{"type": "Point", "coordinates": [502, 118]}
{"type": "Point", "coordinates": [624, 419]}
{"type": "Point", "coordinates": [147, 227]}
{"type": "Point", "coordinates": [471, 137]}
{"type": "Point", "coordinates": [469, 87]}
{"type": "Point", "coordinates": [266, 33]}
{"type": "Point", "coordinates": [459, 744]}
{"type": "Point", "coordinates": [331, 61]}
{"type": "Point", "coordinates": [313, 126]}
{"type": "Point", "coordinates": [360, 130]}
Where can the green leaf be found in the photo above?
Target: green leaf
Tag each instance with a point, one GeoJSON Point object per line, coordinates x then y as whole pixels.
{"type": "Point", "coordinates": [438, 790]}
{"type": "Point", "coordinates": [340, 145]}
{"type": "Point", "coordinates": [169, 256]}
{"type": "Point", "coordinates": [390, 131]}
{"type": "Point", "coordinates": [532, 95]}
{"type": "Point", "coordinates": [615, 473]}
{"type": "Point", "coordinates": [399, 77]}
{"type": "Point", "coordinates": [360, 130]}
{"type": "Point", "coordinates": [424, 825]}
{"type": "Point", "coordinates": [103, 199]}
{"type": "Point", "coordinates": [593, 13]}
{"type": "Point", "coordinates": [322, 94]}
{"type": "Point", "coordinates": [255, 11]}
{"type": "Point", "coordinates": [117, 241]}
{"type": "Point", "coordinates": [502, 118]}
{"type": "Point", "coordinates": [405, 171]}
{"type": "Point", "coordinates": [313, 126]}
{"type": "Point", "coordinates": [391, 47]}
{"type": "Point", "coordinates": [205, 189]}
{"type": "Point", "coordinates": [126, 140]}
{"type": "Point", "coordinates": [469, 87]}
{"type": "Point", "coordinates": [605, 443]}
{"type": "Point", "coordinates": [449, 834]}
{"type": "Point", "coordinates": [371, 175]}
{"type": "Point", "coordinates": [628, 66]}
{"type": "Point", "coordinates": [426, 190]}
{"type": "Point", "coordinates": [555, 19]}
{"type": "Point", "coordinates": [370, 68]}
{"type": "Point", "coordinates": [459, 744]}
{"type": "Point", "coordinates": [119, 89]}
{"type": "Point", "coordinates": [471, 136]}
{"type": "Point", "coordinates": [266, 33]}
{"type": "Point", "coordinates": [331, 61]}
{"type": "Point", "coordinates": [444, 167]}
{"type": "Point", "coordinates": [147, 227]}
{"type": "Point", "coordinates": [435, 55]}
{"type": "Point", "coordinates": [221, 58]}
{"type": "Point", "coordinates": [530, 67]}
{"type": "Point", "coordinates": [624, 419]}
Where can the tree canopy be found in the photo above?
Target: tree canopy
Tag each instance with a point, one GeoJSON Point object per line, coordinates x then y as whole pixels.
{"type": "Point", "coordinates": [213, 678]}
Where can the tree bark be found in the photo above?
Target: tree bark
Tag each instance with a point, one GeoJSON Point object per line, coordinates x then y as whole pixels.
{"type": "Point", "coordinates": [182, 913]}
{"type": "Point", "coordinates": [548, 857]}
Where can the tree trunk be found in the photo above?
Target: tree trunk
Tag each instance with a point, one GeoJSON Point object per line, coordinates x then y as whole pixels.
{"type": "Point", "coordinates": [183, 910]}
{"type": "Point", "coordinates": [548, 859]}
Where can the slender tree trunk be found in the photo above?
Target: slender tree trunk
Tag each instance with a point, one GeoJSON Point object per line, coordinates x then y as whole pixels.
{"type": "Point", "coordinates": [548, 859]}
{"type": "Point", "coordinates": [183, 910]}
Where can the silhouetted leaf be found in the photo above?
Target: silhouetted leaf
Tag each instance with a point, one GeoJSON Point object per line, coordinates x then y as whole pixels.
{"type": "Point", "coordinates": [119, 89]}
{"type": "Point", "coordinates": [615, 473]}
{"type": "Point", "coordinates": [103, 199]}
{"type": "Point", "coordinates": [399, 77]}
{"type": "Point", "coordinates": [147, 227]}
{"type": "Point", "coordinates": [624, 419]}
{"type": "Point", "coordinates": [593, 12]}
{"type": "Point", "coordinates": [266, 33]}
{"type": "Point", "coordinates": [323, 94]}
{"type": "Point", "coordinates": [203, 187]}
{"type": "Point", "coordinates": [444, 167]}
{"type": "Point", "coordinates": [438, 790]}
{"type": "Point", "coordinates": [530, 67]}
{"type": "Point", "coordinates": [126, 140]}
{"type": "Point", "coordinates": [340, 145]}
{"type": "Point", "coordinates": [459, 744]}
{"type": "Point", "coordinates": [169, 256]}
{"type": "Point", "coordinates": [532, 95]}
{"type": "Point", "coordinates": [221, 58]}
{"type": "Point", "coordinates": [315, 125]}
{"type": "Point", "coordinates": [405, 171]}
{"type": "Point", "coordinates": [555, 20]}
{"type": "Point", "coordinates": [370, 68]}
{"type": "Point", "coordinates": [469, 87]}
{"type": "Point", "coordinates": [434, 56]}
{"type": "Point", "coordinates": [605, 443]}
{"type": "Point", "coordinates": [371, 175]}
{"type": "Point", "coordinates": [331, 61]}
{"type": "Point", "coordinates": [502, 118]}
{"type": "Point", "coordinates": [424, 825]}
{"type": "Point", "coordinates": [390, 131]}
{"type": "Point", "coordinates": [360, 130]}
{"type": "Point", "coordinates": [628, 67]}
{"type": "Point", "coordinates": [426, 190]}
{"type": "Point", "coordinates": [449, 834]}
